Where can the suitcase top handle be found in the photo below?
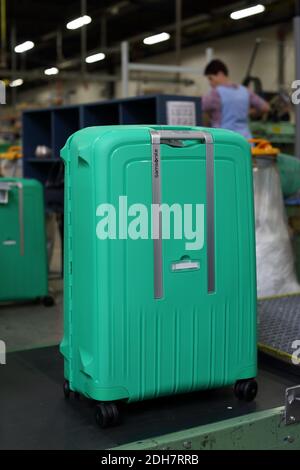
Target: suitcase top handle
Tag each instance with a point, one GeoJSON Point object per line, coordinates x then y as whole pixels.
{"type": "Point", "coordinates": [183, 135]}
{"type": "Point", "coordinates": [4, 190]}
{"type": "Point", "coordinates": [156, 140]}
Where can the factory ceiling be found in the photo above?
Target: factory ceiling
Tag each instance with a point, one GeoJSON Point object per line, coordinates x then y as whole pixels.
{"type": "Point", "coordinates": [44, 23]}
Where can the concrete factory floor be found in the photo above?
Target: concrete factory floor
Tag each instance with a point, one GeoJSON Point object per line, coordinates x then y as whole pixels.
{"type": "Point", "coordinates": [31, 325]}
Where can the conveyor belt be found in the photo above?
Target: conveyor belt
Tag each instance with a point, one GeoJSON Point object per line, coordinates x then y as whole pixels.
{"type": "Point", "coordinates": [34, 414]}
{"type": "Point", "coordinates": [279, 325]}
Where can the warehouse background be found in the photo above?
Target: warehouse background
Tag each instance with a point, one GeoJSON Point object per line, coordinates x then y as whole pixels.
{"type": "Point", "coordinates": [113, 22]}
{"type": "Point", "coordinates": [235, 51]}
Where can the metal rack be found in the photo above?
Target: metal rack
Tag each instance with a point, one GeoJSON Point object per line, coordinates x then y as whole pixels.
{"type": "Point", "coordinates": [52, 126]}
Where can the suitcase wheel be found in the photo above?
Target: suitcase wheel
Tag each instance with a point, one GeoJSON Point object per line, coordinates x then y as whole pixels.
{"type": "Point", "coordinates": [66, 389]}
{"type": "Point", "coordinates": [48, 301]}
{"type": "Point", "coordinates": [107, 414]}
{"type": "Point", "coordinates": [246, 389]}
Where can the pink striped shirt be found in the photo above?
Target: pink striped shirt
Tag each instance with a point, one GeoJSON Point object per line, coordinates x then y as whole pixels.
{"type": "Point", "coordinates": [212, 104]}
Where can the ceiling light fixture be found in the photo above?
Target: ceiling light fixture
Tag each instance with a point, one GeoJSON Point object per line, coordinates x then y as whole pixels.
{"type": "Point", "coordinates": [79, 22]}
{"type": "Point", "coordinates": [25, 46]}
{"type": "Point", "coordinates": [240, 14]}
{"type": "Point", "coordinates": [51, 71]}
{"type": "Point", "coordinates": [156, 38]}
{"type": "Point", "coordinates": [95, 58]}
{"type": "Point", "coordinates": [16, 82]}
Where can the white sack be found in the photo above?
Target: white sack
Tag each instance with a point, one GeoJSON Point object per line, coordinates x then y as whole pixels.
{"type": "Point", "coordinates": [274, 256]}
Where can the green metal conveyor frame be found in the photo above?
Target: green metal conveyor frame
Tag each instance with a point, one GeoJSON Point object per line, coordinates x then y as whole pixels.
{"type": "Point", "coordinates": [264, 430]}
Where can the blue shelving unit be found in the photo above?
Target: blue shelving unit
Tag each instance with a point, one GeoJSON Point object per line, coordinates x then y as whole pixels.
{"type": "Point", "coordinates": [52, 126]}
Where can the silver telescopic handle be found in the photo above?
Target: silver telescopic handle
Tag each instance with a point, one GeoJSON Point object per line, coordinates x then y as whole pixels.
{"type": "Point", "coordinates": [156, 138]}
{"type": "Point", "coordinates": [21, 214]}
{"type": "Point", "coordinates": [183, 135]}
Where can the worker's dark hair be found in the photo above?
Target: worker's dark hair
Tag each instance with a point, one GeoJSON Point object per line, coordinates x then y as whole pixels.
{"type": "Point", "coordinates": [216, 66]}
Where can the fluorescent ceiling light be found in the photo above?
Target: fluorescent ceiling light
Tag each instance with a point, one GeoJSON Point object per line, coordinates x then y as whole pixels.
{"type": "Point", "coordinates": [156, 38]}
{"type": "Point", "coordinates": [17, 82]}
{"type": "Point", "coordinates": [79, 22]}
{"type": "Point", "coordinates": [25, 46]}
{"type": "Point", "coordinates": [51, 71]}
{"type": "Point", "coordinates": [238, 15]}
{"type": "Point", "coordinates": [95, 58]}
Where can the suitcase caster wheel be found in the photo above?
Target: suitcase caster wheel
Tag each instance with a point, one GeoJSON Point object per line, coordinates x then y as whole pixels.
{"type": "Point", "coordinates": [246, 389]}
{"type": "Point", "coordinates": [48, 301]}
{"type": "Point", "coordinates": [67, 390]}
{"type": "Point", "coordinates": [107, 414]}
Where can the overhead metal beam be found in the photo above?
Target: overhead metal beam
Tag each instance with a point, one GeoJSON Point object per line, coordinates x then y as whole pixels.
{"type": "Point", "coordinates": [209, 54]}
{"type": "Point", "coordinates": [178, 19]}
{"type": "Point", "coordinates": [39, 74]}
{"type": "Point", "coordinates": [103, 43]}
{"type": "Point", "coordinates": [125, 68]}
{"type": "Point", "coordinates": [146, 78]}
{"type": "Point", "coordinates": [12, 72]}
{"type": "Point", "coordinates": [83, 40]}
{"type": "Point", "coordinates": [281, 57]}
{"type": "Point", "coordinates": [59, 46]}
{"type": "Point", "coordinates": [3, 33]}
{"type": "Point", "coordinates": [92, 77]}
{"type": "Point", "coordinates": [178, 33]}
{"type": "Point", "coordinates": [164, 68]}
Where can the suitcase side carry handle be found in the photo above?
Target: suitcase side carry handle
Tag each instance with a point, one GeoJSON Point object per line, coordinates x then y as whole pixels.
{"type": "Point", "coordinates": [5, 188]}
{"type": "Point", "coordinates": [156, 140]}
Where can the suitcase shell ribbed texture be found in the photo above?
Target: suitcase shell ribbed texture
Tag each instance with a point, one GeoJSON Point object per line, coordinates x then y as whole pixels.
{"type": "Point", "coordinates": [121, 340]}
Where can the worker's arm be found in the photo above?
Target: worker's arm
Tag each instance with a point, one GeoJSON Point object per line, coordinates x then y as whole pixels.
{"type": "Point", "coordinates": [211, 102]}
{"type": "Point", "coordinates": [258, 105]}
{"type": "Point", "coordinates": [212, 108]}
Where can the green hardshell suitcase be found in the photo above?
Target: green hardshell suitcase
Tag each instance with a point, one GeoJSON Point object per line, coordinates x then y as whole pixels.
{"type": "Point", "coordinates": [23, 251]}
{"type": "Point", "coordinates": [148, 314]}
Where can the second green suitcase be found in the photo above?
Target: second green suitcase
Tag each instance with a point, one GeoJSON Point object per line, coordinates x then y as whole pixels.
{"type": "Point", "coordinates": [23, 253]}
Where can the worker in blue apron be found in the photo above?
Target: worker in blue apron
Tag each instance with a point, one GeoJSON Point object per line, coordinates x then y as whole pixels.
{"type": "Point", "coordinates": [228, 104]}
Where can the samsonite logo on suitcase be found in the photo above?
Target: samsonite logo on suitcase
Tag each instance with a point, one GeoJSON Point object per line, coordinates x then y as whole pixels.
{"type": "Point", "coordinates": [151, 315]}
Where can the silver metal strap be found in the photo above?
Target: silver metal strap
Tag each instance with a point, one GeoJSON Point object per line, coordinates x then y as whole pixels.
{"type": "Point", "coordinates": [19, 185]}
{"type": "Point", "coordinates": [157, 221]}
{"type": "Point", "coordinates": [210, 213]}
{"type": "Point", "coordinates": [156, 137]}
{"type": "Point", "coordinates": [21, 217]}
